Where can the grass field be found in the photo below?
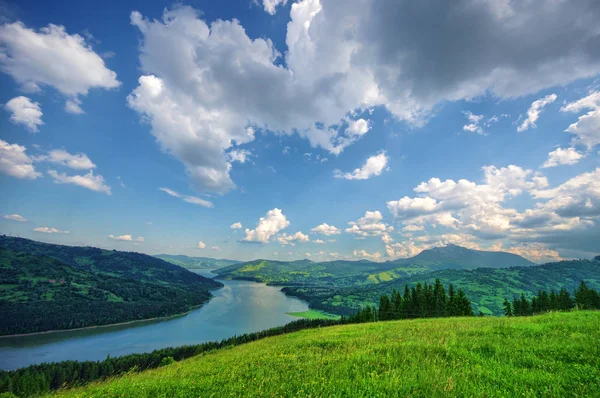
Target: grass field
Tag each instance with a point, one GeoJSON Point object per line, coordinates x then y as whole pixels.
{"type": "Point", "coordinates": [313, 314]}
{"type": "Point", "coordinates": [552, 355]}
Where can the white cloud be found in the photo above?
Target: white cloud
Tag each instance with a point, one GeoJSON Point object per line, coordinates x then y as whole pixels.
{"type": "Point", "coordinates": [270, 6]}
{"type": "Point", "coordinates": [239, 155]}
{"type": "Point", "coordinates": [204, 85]}
{"type": "Point", "coordinates": [24, 111]}
{"type": "Point", "coordinates": [587, 128]}
{"type": "Point", "coordinates": [319, 241]}
{"type": "Point", "coordinates": [326, 229]}
{"type": "Point", "coordinates": [15, 162]}
{"type": "Point", "coordinates": [358, 127]}
{"type": "Point", "coordinates": [73, 106]}
{"type": "Point", "coordinates": [139, 239]}
{"type": "Point", "coordinates": [369, 256]}
{"type": "Point", "coordinates": [78, 161]}
{"type": "Point", "coordinates": [269, 225]}
{"type": "Point", "coordinates": [54, 58]}
{"type": "Point", "coordinates": [237, 225]}
{"type": "Point", "coordinates": [49, 230]}
{"type": "Point", "coordinates": [89, 181]}
{"type": "Point", "coordinates": [216, 248]}
{"type": "Point", "coordinates": [292, 239]}
{"type": "Point", "coordinates": [374, 166]}
{"type": "Point", "coordinates": [473, 126]}
{"type": "Point", "coordinates": [533, 114]}
{"type": "Point", "coordinates": [123, 238]}
{"type": "Point", "coordinates": [201, 245]}
{"type": "Point", "coordinates": [535, 252]}
{"type": "Point", "coordinates": [15, 217]}
{"type": "Point", "coordinates": [560, 156]}
{"type": "Point", "coordinates": [370, 224]}
{"type": "Point", "coordinates": [189, 199]}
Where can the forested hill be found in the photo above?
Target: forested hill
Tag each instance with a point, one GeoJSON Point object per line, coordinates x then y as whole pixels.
{"type": "Point", "coordinates": [196, 262]}
{"type": "Point", "coordinates": [131, 265]}
{"type": "Point", "coordinates": [50, 287]}
{"type": "Point", "coordinates": [485, 287]}
{"type": "Point", "coordinates": [342, 273]}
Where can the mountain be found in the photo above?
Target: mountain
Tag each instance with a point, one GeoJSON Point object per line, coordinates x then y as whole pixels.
{"type": "Point", "coordinates": [485, 287]}
{"type": "Point", "coordinates": [196, 262]}
{"type": "Point", "coordinates": [48, 287]}
{"type": "Point", "coordinates": [458, 257]}
{"type": "Point", "coordinates": [342, 273]}
{"type": "Point", "coordinates": [305, 272]}
{"type": "Point", "coordinates": [443, 357]}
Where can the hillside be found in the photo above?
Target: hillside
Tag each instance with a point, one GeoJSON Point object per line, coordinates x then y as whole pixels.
{"type": "Point", "coordinates": [485, 287]}
{"type": "Point", "coordinates": [342, 273]}
{"type": "Point", "coordinates": [458, 257]}
{"type": "Point", "coordinates": [196, 262]}
{"type": "Point", "coordinates": [49, 287]}
{"type": "Point", "coordinates": [556, 354]}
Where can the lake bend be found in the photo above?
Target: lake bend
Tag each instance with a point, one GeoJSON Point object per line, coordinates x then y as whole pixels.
{"type": "Point", "coordinates": [239, 307]}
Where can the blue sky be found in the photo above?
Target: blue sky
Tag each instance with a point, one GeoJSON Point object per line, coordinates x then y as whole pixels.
{"type": "Point", "coordinates": [155, 127]}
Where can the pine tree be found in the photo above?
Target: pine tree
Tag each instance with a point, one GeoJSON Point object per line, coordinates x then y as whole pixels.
{"type": "Point", "coordinates": [507, 308]}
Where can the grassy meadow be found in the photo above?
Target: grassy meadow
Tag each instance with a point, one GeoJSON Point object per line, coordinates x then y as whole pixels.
{"type": "Point", "coordinates": [551, 355]}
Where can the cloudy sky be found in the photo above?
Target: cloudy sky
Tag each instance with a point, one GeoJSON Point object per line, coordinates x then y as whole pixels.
{"type": "Point", "coordinates": [311, 129]}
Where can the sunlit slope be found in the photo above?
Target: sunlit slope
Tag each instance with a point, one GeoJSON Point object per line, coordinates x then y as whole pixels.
{"type": "Point", "coordinates": [550, 355]}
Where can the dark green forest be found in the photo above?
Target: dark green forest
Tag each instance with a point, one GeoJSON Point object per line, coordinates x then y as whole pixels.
{"type": "Point", "coordinates": [42, 290]}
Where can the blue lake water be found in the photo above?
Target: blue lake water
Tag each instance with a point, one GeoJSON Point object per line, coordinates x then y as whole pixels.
{"type": "Point", "coordinates": [239, 307]}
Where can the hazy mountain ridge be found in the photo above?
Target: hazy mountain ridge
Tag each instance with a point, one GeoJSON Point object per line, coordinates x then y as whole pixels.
{"type": "Point", "coordinates": [196, 262]}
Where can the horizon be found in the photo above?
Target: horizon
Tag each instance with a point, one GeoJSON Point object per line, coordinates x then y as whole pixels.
{"type": "Point", "coordinates": [291, 130]}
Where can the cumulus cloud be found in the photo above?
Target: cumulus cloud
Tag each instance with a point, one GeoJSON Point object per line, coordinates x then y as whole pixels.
{"type": "Point", "coordinates": [200, 81]}
{"type": "Point", "coordinates": [49, 230]}
{"type": "Point", "coordinates": [319, 241]}
{"type": "Point", "coordinates": [374, 166]}
{"type": "Point", "coordinates": [187, 198]}
{"type": "Point", "coordinates": [237, 225]}
{"type": "Point", "coordinates": [561, 156]}
{"type": "Point", "coordinates": [474, 123]}
{"type": "Point", "coordinates": [365, 255]}
{"type": "Point", "coordinates": [79, 161]}
{"type": "Point", "coordinates": [270, 6]}
{"type": "Point", "coordinates": [200, 245]}
{"type": "Point", "coordinates": [370, 224]}
{"type": "Point", "coordinates": [533, 114]}
{"type": "Point", "coordinates": [15, 162]}
{"type": "Point", "coordinates": [216, 248]}
{"type": "Point", "coordinates": [14, 217]}
{"type": "Point", "coordinates": [89, 181]}
{"type": "Point", "coordinates": [326, 229]}
{"type": "Point", "coordinates": [586, 130]}
{"type": "Point", "coordinates": [292, 239]}
{"type": "Point", "coordinates": [26, 112]}
{"type": "Point", "coordinates": [269, 225]}
{"type": "Point", "coordinates": [239, 155]}
{"type": "Point", "coordinates": [52, 57]}
{"type": "Point", "coordinates": [126, 238]}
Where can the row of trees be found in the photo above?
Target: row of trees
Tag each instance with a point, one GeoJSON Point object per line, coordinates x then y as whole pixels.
{"type": "Point", "coordinates": [584, 298]}
{"type": "Point", "coordinates": [420, 301]}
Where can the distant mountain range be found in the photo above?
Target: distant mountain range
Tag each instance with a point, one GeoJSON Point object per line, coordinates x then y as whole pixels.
{"type": "Point", "coordinates": [196, 262]}
{"type": "Point", "coordinates": [458, 257]}
{"type": "Point", "coordinates": [352, 273]}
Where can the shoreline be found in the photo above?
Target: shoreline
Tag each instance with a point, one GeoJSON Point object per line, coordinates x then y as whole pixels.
{"type": "Point", "coordinates": [160, 318]}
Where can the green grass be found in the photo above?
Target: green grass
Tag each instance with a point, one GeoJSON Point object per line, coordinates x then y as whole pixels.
{"type": "Point", "coordinates": [313, 314]}
{"type": "Point", "coordinates": [553, 355]}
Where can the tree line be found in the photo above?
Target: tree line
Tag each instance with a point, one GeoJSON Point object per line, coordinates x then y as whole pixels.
{"type": "Point", "coordinates": [584, 298]}
{"type": "Point", "coordinates": [420, 301]}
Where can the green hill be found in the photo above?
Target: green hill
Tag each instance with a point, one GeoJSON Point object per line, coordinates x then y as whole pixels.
{"type": "Point", "coordinates": [342, 273]}
{"type": "Point", "coordinates": [485, 287]}
{"type": "Point", "coordinates": [552, 355]}
{"type": "Point", "coordinates": [49, 287]}
{"type": "Point", "coordinates": [196, 262]}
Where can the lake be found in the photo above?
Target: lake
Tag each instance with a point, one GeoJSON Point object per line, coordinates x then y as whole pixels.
{"type": "Point", "coordinates": [239, 307]}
